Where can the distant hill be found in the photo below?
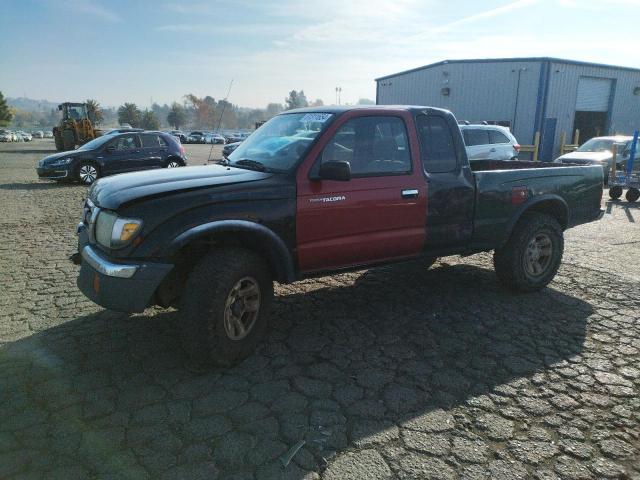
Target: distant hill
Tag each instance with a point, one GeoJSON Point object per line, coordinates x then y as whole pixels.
{"type": "Point", "coordinates": [31, 105]}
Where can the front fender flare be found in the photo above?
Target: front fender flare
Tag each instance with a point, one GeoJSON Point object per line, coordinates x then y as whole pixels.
{"type": "Point", "coordinates": [279, 254]}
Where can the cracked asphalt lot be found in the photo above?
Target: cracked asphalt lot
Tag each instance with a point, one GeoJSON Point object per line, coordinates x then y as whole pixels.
{"type": "Point", "coordinates": [397, 372]}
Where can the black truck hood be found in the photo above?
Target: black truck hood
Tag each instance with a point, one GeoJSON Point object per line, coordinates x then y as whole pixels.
{"type": "Point", "coordinates": [112, 192]}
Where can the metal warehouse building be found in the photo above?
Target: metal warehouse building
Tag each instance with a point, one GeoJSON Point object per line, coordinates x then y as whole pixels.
{"type": "Point", "coordinates": [546, 95]}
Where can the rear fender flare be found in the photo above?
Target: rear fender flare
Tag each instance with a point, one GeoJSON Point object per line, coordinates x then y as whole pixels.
{"type": "Point", "coordinates": [280, 258]}
{"type": "Point", "coordinates": [539, 203]}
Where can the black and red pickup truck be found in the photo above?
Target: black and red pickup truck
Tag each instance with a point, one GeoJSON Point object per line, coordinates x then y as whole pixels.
{"type": "Point", "coordinates": [317, 191]}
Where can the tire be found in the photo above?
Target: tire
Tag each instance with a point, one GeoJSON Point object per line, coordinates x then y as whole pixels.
{"type": "Point", "coordinates": [429, 261]}
{"type": "Point", "coordinates": [515, 263]}
{"type": "Point", "coordinates": [57, 138]}
{"type": "Point", "coordinates": [615, 192]}
{"type": "Point", "coordinates": [173, 163]}
{"type": "Point", "coordinates": [632, 195]}
{"type": "Point", "coordinates": [68, 140]}
{"type": "Point", "coordinates": [88, 173]}
{"type": "Point", "coordinates": [206, 337]}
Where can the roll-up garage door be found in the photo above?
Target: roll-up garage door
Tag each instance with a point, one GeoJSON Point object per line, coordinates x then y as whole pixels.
{"type": "Point", "coordinates": [593, 94]}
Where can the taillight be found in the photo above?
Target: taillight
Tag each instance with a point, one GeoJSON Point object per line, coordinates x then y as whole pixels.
{"type": "Point", "coordinates": [517, 147]}
{"type": "Point", "coordinates": [519, 195]}
{"type": "Point", "coordinates": [182, 150]}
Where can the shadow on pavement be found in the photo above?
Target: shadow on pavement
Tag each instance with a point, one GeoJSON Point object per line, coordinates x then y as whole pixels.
{"type": "Point", "coordinates": [36, 185]}
{"type": "Point", "coordinates": [344, 364]}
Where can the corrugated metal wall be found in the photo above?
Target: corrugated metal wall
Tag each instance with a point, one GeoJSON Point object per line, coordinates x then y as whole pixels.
{"type": "Point", "coordinates": [487, 91]}
{"type": "Point", "coordinates": [478, 91]}
{"type": "Point", "coordinates": [624, 109]}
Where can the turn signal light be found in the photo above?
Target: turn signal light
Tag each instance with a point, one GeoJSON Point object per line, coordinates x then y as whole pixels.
{"type": "Point", "coordinates": [128, 231]}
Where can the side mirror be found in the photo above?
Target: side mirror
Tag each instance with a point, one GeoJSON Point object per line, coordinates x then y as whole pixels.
{"type": "Point", "coordinates": [340, 171]}
{"type": "Point", "coordinates": [110, 148]}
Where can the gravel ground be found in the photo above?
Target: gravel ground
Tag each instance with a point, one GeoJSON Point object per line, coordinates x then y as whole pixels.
{"type": "Point", "coordinates": [396, 372]}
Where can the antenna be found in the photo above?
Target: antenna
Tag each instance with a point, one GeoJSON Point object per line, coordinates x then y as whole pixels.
{"type": "Point", "coordinates": [220, 119]}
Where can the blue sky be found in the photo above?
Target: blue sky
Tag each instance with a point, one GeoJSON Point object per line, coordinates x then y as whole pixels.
{"type": "Point", "coordinates": [120, 50]}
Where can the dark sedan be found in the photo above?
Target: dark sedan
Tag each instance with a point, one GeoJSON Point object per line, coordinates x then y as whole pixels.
{"type": "Point", "coordinates": [117, 153]}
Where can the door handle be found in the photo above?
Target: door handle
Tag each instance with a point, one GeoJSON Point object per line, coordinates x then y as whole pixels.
{"type": "Point", "coordinates": [412, 193]}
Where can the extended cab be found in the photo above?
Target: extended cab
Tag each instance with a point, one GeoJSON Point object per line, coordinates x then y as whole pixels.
{"type": "Point", "coordinates": [317, 191]}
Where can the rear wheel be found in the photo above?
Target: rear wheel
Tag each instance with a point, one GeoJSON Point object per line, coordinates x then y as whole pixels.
{"type": "Point", "coordinates": [532, 255]}
{"type": "Point", "coordinates": [615, 192]}
{"type": "Point", "coordinates": [225, 307]}
{"type": "Point", "coordinates": [88, 173]}
{"type": "Point", "coordinates": [632, 195]}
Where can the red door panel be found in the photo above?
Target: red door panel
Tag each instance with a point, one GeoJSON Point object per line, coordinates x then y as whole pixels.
{"type": "Point", "coordinates": [364, 220]}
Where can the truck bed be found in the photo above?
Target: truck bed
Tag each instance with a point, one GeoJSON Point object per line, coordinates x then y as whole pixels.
{"type": "Point", "coordinates": [579, 187]}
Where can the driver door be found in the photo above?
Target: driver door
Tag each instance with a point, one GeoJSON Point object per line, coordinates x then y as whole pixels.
{"type": "Point", "coordinates": [380, 213]}
{"type": "Point", "coordinates": [124, 154]}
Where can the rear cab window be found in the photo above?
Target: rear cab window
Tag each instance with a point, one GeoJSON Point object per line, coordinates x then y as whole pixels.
{"type": "Point", "coordinates": [437, 148]}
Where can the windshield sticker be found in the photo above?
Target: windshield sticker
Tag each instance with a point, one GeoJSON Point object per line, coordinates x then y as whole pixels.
{"type": "Point", "coordinates": [315, 117]}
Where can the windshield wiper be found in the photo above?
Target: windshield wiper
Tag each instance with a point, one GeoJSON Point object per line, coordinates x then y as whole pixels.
{"type": "Point", "coordinates": [251, 164]}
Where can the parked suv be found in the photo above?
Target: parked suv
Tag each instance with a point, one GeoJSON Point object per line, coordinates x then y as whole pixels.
{"type": "Point", "coordinates": [116, 153]}
{"type": "Point", "coordinates": [490, 142]}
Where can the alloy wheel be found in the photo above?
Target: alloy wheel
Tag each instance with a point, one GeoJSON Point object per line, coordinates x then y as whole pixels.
{"type": "Point", "coordinates": [242, 308]}
{"type": "Point", "coordinates": [537, 256]}
{"type": "Point", "coordinates": [88, 174]}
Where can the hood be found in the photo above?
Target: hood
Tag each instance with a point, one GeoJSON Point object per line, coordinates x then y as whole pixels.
{"type": "Point", "coordinates": [112, 192]}
{"type": "Point", "coordinates": [56, 156]}
{"type": "Point", "coordinates": [590, 156]}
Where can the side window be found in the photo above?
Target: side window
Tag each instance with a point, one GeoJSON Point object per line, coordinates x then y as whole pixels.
{"type": "Point", "coordinates": [498, 137]}
{"type": "Point", "coordinates": [149, 141]}
{"type": "Point", "coordinates": [436, 144]}
{"type": "Point", "coordinates": [476, 137]}
{"type": "Point", "coordinates": [372, 145]}
{"type": "Point", "coordinates": [128, 142]}
{"type": "Point", "coordinates": [163, 142]}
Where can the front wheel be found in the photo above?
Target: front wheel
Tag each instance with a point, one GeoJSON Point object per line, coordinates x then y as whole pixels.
{"type": "Point", "coordinates": [88, 173]}
{"type": "Point", "coordinates": [225, 306]}
{"type": "Point", "coordinates": [174, 164]}
{"type": "Point", "coordinates": [532, 255]}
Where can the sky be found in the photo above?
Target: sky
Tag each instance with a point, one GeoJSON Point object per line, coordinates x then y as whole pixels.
{"type": "Point", "coordinates": [144, 51]}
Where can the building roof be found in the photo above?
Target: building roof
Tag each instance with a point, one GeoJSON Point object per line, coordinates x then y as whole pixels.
{"type": "Point", "coordinates": [516, 59]}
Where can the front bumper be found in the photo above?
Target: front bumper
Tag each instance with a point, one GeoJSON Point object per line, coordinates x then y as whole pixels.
{"type": "Point", "coordinates": [55, 173]}
{"type": "Point", "coordinates": [124, 287]}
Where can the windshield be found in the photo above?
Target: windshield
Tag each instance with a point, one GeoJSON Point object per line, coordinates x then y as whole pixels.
{"type": "Point", "coordinates": [596, 145]}
{"type": "Point", "coordinates": [95, 143]}
{"type": "Point", "coordinates": [279, 144]}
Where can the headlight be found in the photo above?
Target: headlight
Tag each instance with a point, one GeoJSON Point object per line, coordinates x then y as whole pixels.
{"type": "Point", "coordinates": [60, 162]}
{"type": "Point", "coordinates": [115, 232]}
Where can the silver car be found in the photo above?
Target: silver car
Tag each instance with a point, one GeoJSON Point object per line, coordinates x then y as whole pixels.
{"type": "Point", "coordinates": [490, 142]}
{"type": "Point", "coordinates": [599, 151]}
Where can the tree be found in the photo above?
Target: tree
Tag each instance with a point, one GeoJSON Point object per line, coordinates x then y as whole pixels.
{"type": "Point", "coordinates": [22, 118]}
{"type": "Point", "coordinates": [177, 116]}
{"type": "Point", "coordinates": [95, 111]}
{"type": "Point", "coordinates": [150, 120]}
{"type": "Point", "coordinates": [317, 103]}
{"type": "Point", "coordinates": [366, 101]}
{"type": "Point", "coordinates": [6, 115]}
{"type": "Point", "coordinates": [203, 110]}
{"type": "Point", "coordinates": [129, 113]}
{"type": "Point", "coordinates": [273, 109]}
{"type": "Point", "coordinates": [296, 100]}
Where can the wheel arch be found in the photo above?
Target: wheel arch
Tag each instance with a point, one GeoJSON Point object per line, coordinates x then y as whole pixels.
{"type": "Point", "coordinates": [550, 204]}
{"type": "Point", "coordinates": [251, 235]}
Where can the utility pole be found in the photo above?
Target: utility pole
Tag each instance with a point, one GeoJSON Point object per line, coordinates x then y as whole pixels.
{"type": "Point", "coordinates": [515, 107]}
{"type": "Point", "coordinates": [338, 92]}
